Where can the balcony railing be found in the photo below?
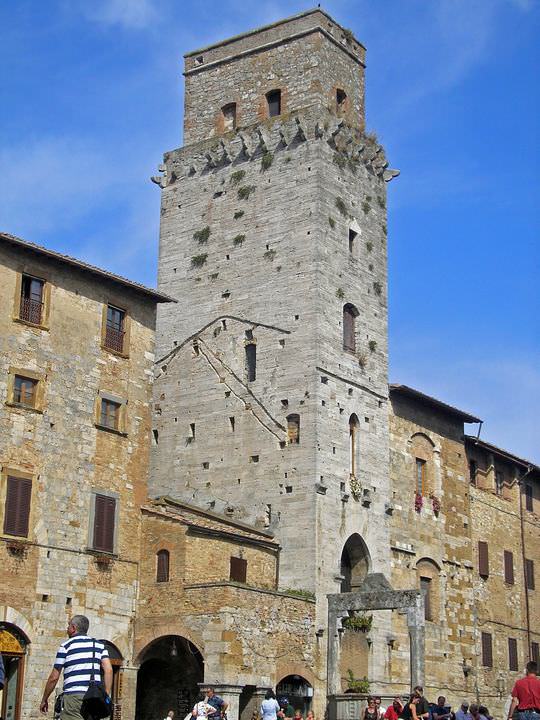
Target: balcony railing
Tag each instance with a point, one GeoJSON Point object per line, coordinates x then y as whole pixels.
{"type": "Point", "coordinates": [114, 339]}
{"type": "Point", "coordinates": [31, 310]}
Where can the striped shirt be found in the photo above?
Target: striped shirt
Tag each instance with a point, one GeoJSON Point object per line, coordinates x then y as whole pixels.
{"type": "Point", "coordinates": [79, 661]}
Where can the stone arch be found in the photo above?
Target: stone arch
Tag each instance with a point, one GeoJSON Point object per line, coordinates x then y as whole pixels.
{"type": "Point", "coordinates": [14, 617]}
{"type": "Point", "coordinates": [150, 635]}
{"type": "Point", "coordinates": [14, 644]}
{"type": "Point", "coordinates": [297, 689]}
{"type": "Point", "coordinates": [428, 573]}
{"type": "Point", "coordinates": [355, 563]}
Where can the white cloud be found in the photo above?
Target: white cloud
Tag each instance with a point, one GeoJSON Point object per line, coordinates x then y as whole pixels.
{"type": "Point", "coordinates": [129, 14]}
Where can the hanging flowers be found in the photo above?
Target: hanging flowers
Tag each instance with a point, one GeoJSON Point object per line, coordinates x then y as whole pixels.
{"type": "Point", "coordinates": [418, 502]}
{"type": "Point", "coordinates": [436, 505]}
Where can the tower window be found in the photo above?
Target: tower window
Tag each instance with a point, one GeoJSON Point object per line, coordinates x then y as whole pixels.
{"type": "Point", "coordinates": [352, 238]}
{"type": "Point", "coordinates": [341, 97]}
{"type": "Point", "coordinates": [353, 443]}
{"type": "Point", "coordinates": [251, 362]}
{"type": "Point", "coordinates": [420, 476]}
{"type": "Point", "coordinates": [293, 429]}
{"type": "Point", "coordinates": [273, 100]}
{"type": "Point", "coordinates": [425, 589]}
{"type": "Point", "coordinates": [350, 313]}
{"type": "Point", "coordinates": [31, 305]}
{"type": "Point", "coordinates": [162, 569]}
{"type": "Point", "coordinates": [229, 116]}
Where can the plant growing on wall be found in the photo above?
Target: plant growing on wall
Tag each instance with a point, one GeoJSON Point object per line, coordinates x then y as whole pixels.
{"type": "Point", "coordinates": [366, 207]}
{"type": "Point", "coordinates": [332, 222]}
{"type": "Point", "coordinates": [238, 214]}
{"type": "Point", "coordinates": [299, 592]}
{"type": "Point", "coordinates": [198, 260]}
{"type": "Point", "coordinates": [201, 236]}
{"type": "Point", "coordinates": [341, 207]}
{"type": "Point", "coordinates": [340, 294]}
{"type": "Point", "coordinates": [245, 191]}
{"type": "Point", "coordinates": [360, 686]}
{"type": "Point", "coordinates": [267, 160]}
{"type": "Point", "coordinates": [340, 160]}
{"type": "Point", "coordinates": [239, 239]}
{"type": "Point", "coordinates": [369, 246]}
{"type": "Point", "coordinates": [377, 287]}
{"type": "Point", "coordinates": [436, 505]}
{"type": "Point", "coordinates": [356, 488]}
{"type": "Point", "coordinates": [372, 345]}
{"type": "Point", "coordinates": [362, 360]}
{"type": "Point", "coordinates": [359, 623]}
{"type": "Point", "coordinates": [237, 176]}
{"type": "Point", "coordinates": [270, 255]}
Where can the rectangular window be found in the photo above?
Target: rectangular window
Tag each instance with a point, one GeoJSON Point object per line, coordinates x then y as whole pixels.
{"type": "Point", "coordinates": [529, 503]}
{"type": "Point", "coordinates": [251, 362]}
{"type": "Point", "coordinates": [25, 391]}
{"type": "Point", "coordinates": [115, 329]}
{"type": "Point", "coordinates": [487, 650]}
{"type": "Point", "coordinates": [425, 589]}
{"type": "Point", "coordinates": [273, 100]}
{"type": "Point", "coordinates": [420, 476]}
{"type": "Point", "coordinates": [483, 559]}
{"type": "Point", "coordinates": [238, 570]}
{"type": "Point", "coordinates": [17, 508]}
{"type": "Point", "coordinates": [104, 522]}
{"type": "Point", "coordinates": [535, 652]}
{"type": "Point", "coordinates": [508, 567]}
{"type": "Point", "coordinates": [499, 482]}
{"type": "Point", "coordinates": [512, 654]}
{"type": "Point", "coordinates": [352, 238]}
{"type": "Point", "coordinates": [109, 415]}
{"type": "Point", "coordinates": [472, 471]}
{"type": "Point", "coordinates": [229, 116]}
{"type": "Point", "coordinates": [529, 574]}
{"type": "Point", "coordinates": [31, 305]}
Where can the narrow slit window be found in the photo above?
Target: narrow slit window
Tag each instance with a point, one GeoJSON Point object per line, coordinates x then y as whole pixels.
{"type": "Point", "coordinates": [293, 429]}
{"type": "Point", "coordinates": [251, 362]}
{"type": "Point", "coordinates": [229, 116]}
{"type": "Point", "coordinates": [425, 589]}
{"type": "Point", "coordinates": [352, 237]}
{"type": "Point", "coordinates": [31, 307]}
{"type": "Point", "coordinates": [420, 476]}
{"type": "Point", "coordinates": [273, 100]}
{"type": "Point", "coordinates": [353, 444]}
{"type": "Point", "coordinates": [341, 98]}
{"type": "Point", "coordinates": [529, 498]}
{"type": "Point", "coordinates": [162, 569]}
{"type": "Point", "coordinates": [350, 313]}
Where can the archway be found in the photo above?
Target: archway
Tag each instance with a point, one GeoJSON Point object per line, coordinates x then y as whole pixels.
{"type": "Point", "coordinates": [355, 563]}
{"type": "Point", "coordinates": [297, 690]}
{"type": "Point", "coordinates": [115, 656]}
{"type": "Point", "coordinates": [13, 646]}
{"type": "Point", "coordinates": [171, 668]}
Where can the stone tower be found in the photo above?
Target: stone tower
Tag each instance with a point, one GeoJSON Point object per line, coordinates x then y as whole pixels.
{"type": "Point", "coordinates": [272, 393]}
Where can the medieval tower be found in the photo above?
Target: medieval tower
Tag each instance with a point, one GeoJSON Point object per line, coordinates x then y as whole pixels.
{"type": "Point", "coordinates": [272, 393]}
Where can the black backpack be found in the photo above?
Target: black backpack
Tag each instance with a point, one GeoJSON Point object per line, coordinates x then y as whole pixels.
{"type": "Point", "coordinates": [96, 703]}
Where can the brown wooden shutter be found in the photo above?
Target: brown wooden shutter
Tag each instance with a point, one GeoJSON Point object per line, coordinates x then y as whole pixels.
{"type": "Point", "coordinates": [529, 574]}
{"type": "Point", "coordinates": [238, 570]}
{"type": "Point", "coordinates": [104, 517]}
{"type": "Point", "coordinates": [17, 509]}
{"type": "Point", "coordinates": [528, 498]}
{"type": "Point", "coordinates": [487, 650]}
{"type": "Point", "coordinates": [483, 559]}
{"type": "Point", "coordinates": [535, 652]}
{"type": "Point", "coordinates": [508, 567]}
{"type": "Point", "coordinates": [512, 654]}
{"type": "Point", "coordinates": [162, 574]}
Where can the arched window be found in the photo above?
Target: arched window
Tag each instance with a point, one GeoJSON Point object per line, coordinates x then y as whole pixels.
{"type": "Point", "coordinates": [422, 450]}
{"type": "Point", "coordinates": [293, 429]}
{"type": "Point", "coordinates": [229, 116]}
{"type": "Point", "coordinates": [350, 313]}
{"type": "Point", "coordinates": [273, 102]}
{"type": "Point", "coordinates": [428, 581]}
{"type": "Point", "coordinates": [353, 444]}
{"type": "Point", "coordinates": [354, 563]}
{"type": "Point", "coordinates": [251, 362]}
{"type": "Point", "coordinates": [162, 571]}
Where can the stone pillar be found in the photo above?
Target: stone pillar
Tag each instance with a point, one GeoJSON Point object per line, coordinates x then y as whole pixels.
{"type": "Point", "coordinates": [333, 654]}
{"type": "Point", "coordinates": [230, 694]}
{"type": "Point", "coordinates": [127, 694]}
{"type": "Point", "coordinates": [416, 623]}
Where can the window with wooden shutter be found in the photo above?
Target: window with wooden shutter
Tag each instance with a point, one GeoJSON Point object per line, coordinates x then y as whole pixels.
{"type": "Point", "coordinates": [238, 570]}
{"type": "Point", "coordinates": [487, 650]}
{"type": "Point", "coordinates": [535, 652]}
{"type": "Point", "coordinates": [529, 574]}
{"type": "Point", "coordinates": [162, 574]}
{"type": "Point", "coordinates": [104, 522]}
{"type": "Point", "coordinates": [17, 508]}
{"type": "Point", "coordinates": [512, 654]}
{"type": "Point", "coordinates": [529, 503]}
{"type": "Point", "coordinates": [483, 559]}
{"type": "Point", "coordinates": [508, 567]}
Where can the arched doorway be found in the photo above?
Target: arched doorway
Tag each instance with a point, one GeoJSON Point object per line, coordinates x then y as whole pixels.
{"type": "Point", "coordinates": [13, 646]}
{"type": "Point", "coordinates": [115, 656]}
{"type": "Point", "coordinates": [171, 668]}
{"type": "Point", "coordinates": [297, 690]}
{"type": "Point", "coordinates": [355, 563]}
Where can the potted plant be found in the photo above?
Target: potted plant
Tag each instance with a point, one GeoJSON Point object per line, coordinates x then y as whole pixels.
{"type": "Point", "coordinates": [418, 502]}
{"type": "Point", "coordinates": [360, 686]}
{"type": "Point", "coordinates": [436, 505]}
{"type": "Point", "coordinates": [17, 548]}
{"type": "Point", "coordinates": [358, 623]}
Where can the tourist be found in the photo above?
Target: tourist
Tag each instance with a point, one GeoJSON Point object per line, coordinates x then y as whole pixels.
{"type": "Point", "coordinates": [269, 706]}
{"type": "Point", "coordinates": [380, 709]}
{"type": "Point", "coordinates": [394, 710]}
{"type": "Point", "coordinates": [475, 712]}
{"type": "Point", "coordinates": [81, 658]}
{"type": "Point", "coordinates": [219, 705]}
{"type": "Point", "coordinates": [409, 709]}
{"type": "Point", "coordinates": [485, 712]}
{"type": "Point", "coordinates": [202, 709]}
{"type": "Point", "coordinates": [422, 707]}
{"type": "Point", "coordinates": [526, 695]}
{"type": "Point", "coordinates": [463, 712]}
{"type": "Point", "coordinates": [169, 715]}
{"type": "Point", "coordinates": [310, 715]}
{"type": "Point", "coordinates": [371, 712]}
{"type": "Point", "coordinates": [298, 715]}
{"type": "Point", "coordinates": [441, 711]}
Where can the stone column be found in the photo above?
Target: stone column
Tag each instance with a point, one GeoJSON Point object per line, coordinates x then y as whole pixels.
{"type": "Point", "coordinates": [416, 623]}
{"type": "Point", "coordinates": [127, 694]}
{"type": "Point", "coordinates": [230, 694]}
{"type": "Point", "coordinates": [333, 653]}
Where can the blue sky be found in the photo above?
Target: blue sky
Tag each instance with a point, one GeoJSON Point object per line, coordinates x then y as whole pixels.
{"type": "Point", "coordinates": [91, 92]}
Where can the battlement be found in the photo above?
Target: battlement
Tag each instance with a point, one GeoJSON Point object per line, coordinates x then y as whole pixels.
{"type": "Point", "coordinates": [302, 61]}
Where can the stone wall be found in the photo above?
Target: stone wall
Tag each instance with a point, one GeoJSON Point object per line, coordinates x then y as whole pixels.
{"type": "Point", "coordinates": [67, 457]}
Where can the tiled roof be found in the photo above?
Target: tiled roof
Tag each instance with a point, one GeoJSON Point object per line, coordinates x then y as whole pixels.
{"type": "Point", "coordinates": [500, 451]}
{"type": "Point", "coordinates": [428, 400]}
{"type": "Point", "coordinates": [85, 267]}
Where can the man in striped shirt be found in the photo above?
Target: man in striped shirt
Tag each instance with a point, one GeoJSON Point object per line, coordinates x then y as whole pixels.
{"type": "Point", "coordinates": [79, 657]}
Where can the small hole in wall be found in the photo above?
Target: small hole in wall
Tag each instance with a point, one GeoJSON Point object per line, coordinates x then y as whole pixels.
{"type": "Point", "coordinates": [333, 450]}
{"type": "Point", "coordinates": [350, 391]}
{"type": "Point", "coordinates": [268, 247]}
{"type": "Point", "coordinates": [238, 480]}
{"type": "Point", "coordinates": [206, 465]}
{"type": "Point", "coordinates": [285, 475]}
{"type": "Point", "coordinates": [199, 60]}
{"type": "Point", "coordinates": [48, 554]}
{"type": "Point", "coordinates": [68, 601]}
{"type": "Point", "coordinates": [195, 347]}
{"type": "Point", "coordinates": [324, 380]}
{"type": "Point", "coordinates": [380, 403]}
{"type": "Point", "coordinates": [227, 257]}
{"type": "Point", "coordinates": [231, 422]}
{"type": "Point", "coordinates": [155, 433]}
{"type": "Point", "coordinates": [309, 169]}
{"type": "Point", "coordinates": [226, 294]}
{"type": "Point", "coordinates": [288, 488]}
{"type": "Point", "coordinates": [227, 393]}
{"type": "Point", "coordinates": [341, 411]}
{"type": "Point", "coordinates": [366, 419]}
{"type": "Point", "coordinates": [224, 324]}
{"type": "Point", "coordinates": [175, 419]}
{"type": "Point", "coordinates": [309, 232]}
{"type": "Point", "coordinates": [323, 402]}
{"type": "Point", "coordinates": [282, 343]}
{"type": "Point", "coordinates": [282, 444]}
{"type": "Point", "coordinates": [44, 598]}
{"type": "Point", "coordinates": [285, 402]}
{"type": "Point", "coordinates": [249, 334]}
{"type": "Point", "coordinates": [296, 317]}
{"type": "Point", "coordinates": [342, 486]}
{"type": "Point", "coordinates": [174, 270]}
{"type": "Point", "coordinates": [254, 459]}
{"type": "Point", "coordinates": [192, 429]}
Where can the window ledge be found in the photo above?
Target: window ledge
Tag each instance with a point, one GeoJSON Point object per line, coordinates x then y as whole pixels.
{"type": "Point", "coordinates": [102, 553]}
{"type": "Point", "coordinates": [115, 352]}
{"type": "Point", "coordinates": [21, 406]}
{"type": "Point", "coordinates": [38, 326]}
{"type": "Point", "coordinates": [111, 430]}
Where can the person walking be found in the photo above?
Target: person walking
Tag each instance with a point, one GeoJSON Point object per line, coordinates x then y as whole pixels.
{"type": "Point", "coordinates": [80, 657]}
{"type": "Point", "coordinates": [526, 695]}
{"type": "Point", "coordinates": [269, 706]}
